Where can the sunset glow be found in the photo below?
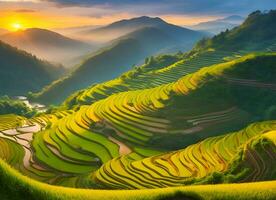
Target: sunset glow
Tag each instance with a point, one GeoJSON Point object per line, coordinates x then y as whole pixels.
{"type": "Point", "coordinates": [39, 15]}
{"type": "Point", "coordinates": [16, 26]}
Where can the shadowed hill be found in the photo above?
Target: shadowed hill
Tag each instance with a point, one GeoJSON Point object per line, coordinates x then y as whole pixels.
{"type": "Point", "coordinates": [22, 72]}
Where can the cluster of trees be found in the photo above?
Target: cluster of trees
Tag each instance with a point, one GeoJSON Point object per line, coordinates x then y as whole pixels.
{"type": "Point", "coordinates": [11, 106]}
{"type": "Point", "coordinates": [258, 27]}
{"type": "Point", "coordinates": [152, 63]}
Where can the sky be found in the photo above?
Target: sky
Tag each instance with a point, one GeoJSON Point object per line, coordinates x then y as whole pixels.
{"type": "Point", "coordinates": [51, 14]}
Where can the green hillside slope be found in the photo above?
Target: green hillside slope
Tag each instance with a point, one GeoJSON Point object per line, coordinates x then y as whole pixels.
{"type": "Point", "coordinates": [258, 27]}
{"type": "Point", "coordinates": [22, 72]}
{"type": "Point", "coordinates": [94, 69]}
{"type": "Point", "coordinates": [119, 57]}
{"type": "Point", "coordinates": [162, 118]}
{"type": "Point", "coordinates": [206, 53]}
{"type": "Point", "coordinates": [242, 156]}
{"type": "Point", "coordinates": [143, 123]}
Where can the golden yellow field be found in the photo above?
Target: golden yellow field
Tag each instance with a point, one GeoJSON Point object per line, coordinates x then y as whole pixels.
{"type": "Point", "coordinates": [258, 190]}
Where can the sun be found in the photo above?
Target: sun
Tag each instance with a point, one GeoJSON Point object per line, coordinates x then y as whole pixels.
{"type": "Point", "coordinates": [16, 26]}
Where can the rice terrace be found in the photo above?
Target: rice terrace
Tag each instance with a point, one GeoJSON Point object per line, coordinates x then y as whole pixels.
{"type": "Point", "coordinates": [137, 100]}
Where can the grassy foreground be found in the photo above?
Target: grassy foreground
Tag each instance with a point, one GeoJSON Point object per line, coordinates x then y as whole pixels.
{"type": "Point", "coordinates": [15, 186]}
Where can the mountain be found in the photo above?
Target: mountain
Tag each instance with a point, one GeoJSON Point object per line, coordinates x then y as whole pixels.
{"type": "Point", "coordinates": [235, 19]}
{"type": "Point", "coordinates": [255, 33]}
{"type": "Point", "coordinates": [22, 72]}
{"type": "Point", "coordinates": [119, 57]}
{"type": "Point", "coordinates": [47, 44]}
{"type": "Point", "coordinates": [123, 27]}
{"type": "Point", "coordinates": [219, 25]}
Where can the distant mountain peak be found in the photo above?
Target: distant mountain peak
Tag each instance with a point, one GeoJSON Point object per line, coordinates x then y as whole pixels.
{"type": "Point", "coordinates": [234, 18]}
{"type": "Point", "coordinates": [123, 27]}
{"type": "Point", "coordinates": [156, 19]}
{"type": "Point", "coordinates": [139, 20]}
{"type": "Point", "coordinates": [40, 31]}
{"type": "Point", "coordinates": [219, 25]}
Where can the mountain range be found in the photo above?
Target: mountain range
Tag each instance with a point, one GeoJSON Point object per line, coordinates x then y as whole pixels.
{"type": "Point", "coordinates": [123, 27]}
{"type": "Point", "coordinates": [219, 25]}
{"type": "Point", "coordinates": [122, 53]}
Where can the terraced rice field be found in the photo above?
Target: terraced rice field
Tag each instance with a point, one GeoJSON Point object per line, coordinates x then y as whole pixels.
{"type": "Point", "coordinates": [195, 162]}
{"type": "Point", "coordinates": [11, 152]}
{"type": "Point", "coordinates": [10, 121]}
{"type": "Point", "coordinates": [20, 133]}
{"type": "Point", "coordinates": [36, 190]}
{"type": "Point", "coordinates": [123, 137]}
{"type": "Point", "coordinates": [85, 139]}
{"type": "Point", "coordinates": [154, 78]}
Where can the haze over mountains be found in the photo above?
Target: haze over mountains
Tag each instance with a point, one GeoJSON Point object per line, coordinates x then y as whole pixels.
{"type": "Point", "coordinates": [21, 72]}
{"type": "Point", "coordinates": [155, 36]}
{"type": "Point", "coordinates": [48, 45]}
{"type": "Point", "coordinates": [75, 31]}
{"type": "Point", "coordinates": [219, 25]}
{"type": "Point", "coordinates": [120, 28]}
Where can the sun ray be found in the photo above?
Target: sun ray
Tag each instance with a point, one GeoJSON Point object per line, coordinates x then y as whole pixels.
{"type": "Point", "coordinates": [16, 26]}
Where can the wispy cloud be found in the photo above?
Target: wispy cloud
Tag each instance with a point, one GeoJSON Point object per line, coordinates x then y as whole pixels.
{"type": "Point", "coordinates": [166, 7]}
{"type": "Point", "coordinates": [177, 6]}
{"type": "Point", "coordinates": [24, 11]}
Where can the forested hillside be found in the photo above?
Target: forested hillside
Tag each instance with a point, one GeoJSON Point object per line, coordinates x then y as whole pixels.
{"type": "Point", "coordinates": [22, 72]}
